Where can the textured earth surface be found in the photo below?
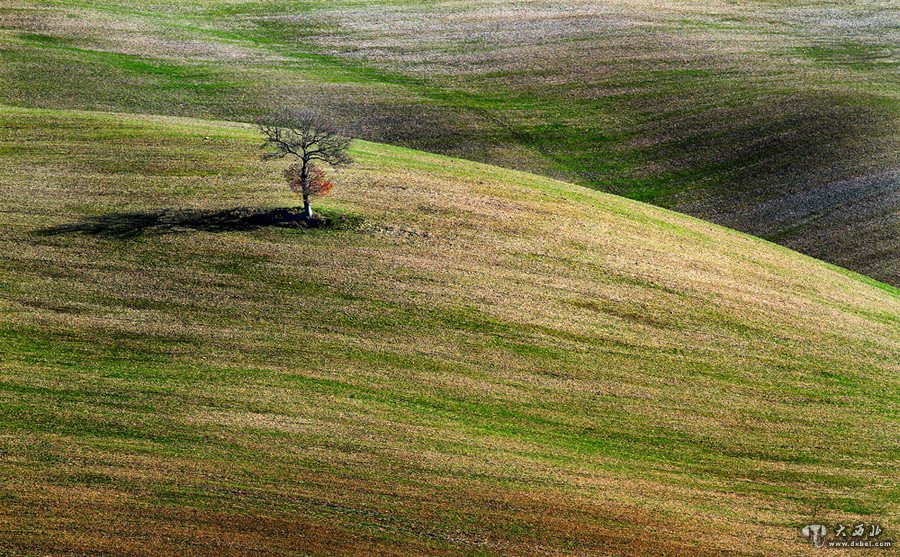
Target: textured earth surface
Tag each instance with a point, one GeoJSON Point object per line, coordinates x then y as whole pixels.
{"type": "Point", "coordinates": [467, 361]}
{"type": "Point", "coordinates": [780, 118]}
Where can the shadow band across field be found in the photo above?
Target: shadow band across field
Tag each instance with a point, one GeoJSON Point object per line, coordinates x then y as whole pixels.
{"type": "Point", "coordinates": [168, 221]}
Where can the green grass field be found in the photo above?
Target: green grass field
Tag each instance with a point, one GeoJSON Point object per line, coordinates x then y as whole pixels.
{"type": "Point", "coordinates": [780, 118]}
{"type": "Point", "coordinates": [473, 361]}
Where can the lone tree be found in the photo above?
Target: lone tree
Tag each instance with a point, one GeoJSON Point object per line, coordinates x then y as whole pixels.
{"type": "Point", "coordinates": [308, 137]}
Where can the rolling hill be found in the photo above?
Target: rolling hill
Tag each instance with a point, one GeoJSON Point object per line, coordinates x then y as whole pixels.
{"type": "Point", "coordinates": [779, 118]}
{"type": "Point", "coordinates": [468, 360]}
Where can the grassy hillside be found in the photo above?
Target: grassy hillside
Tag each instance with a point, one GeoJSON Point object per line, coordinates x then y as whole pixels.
{"type": "Point", "coordinates": [776, 117]}
{"type": "Point", "coordinates": [472, 361]}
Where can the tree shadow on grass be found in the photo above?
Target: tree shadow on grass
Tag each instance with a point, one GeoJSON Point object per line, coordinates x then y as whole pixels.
{"type": "Point", "coordinates": [168, 221]}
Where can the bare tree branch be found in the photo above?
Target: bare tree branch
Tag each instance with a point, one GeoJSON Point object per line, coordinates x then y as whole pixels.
{"type": "Point", "coordinates": [305, 135]}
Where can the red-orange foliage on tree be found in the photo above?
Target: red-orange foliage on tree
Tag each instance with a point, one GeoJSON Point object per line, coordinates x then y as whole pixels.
{"type": "Point", "coordinates": [317, 183]}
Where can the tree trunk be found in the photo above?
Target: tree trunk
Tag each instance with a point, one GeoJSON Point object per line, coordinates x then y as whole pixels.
{"type": "Point", "coordinates": [307, 208]}
{"type": "Point", "coordinates": [304, 181]}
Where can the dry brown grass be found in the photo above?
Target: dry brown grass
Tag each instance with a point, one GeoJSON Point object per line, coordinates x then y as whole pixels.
{"type": "Point", "coordinates": [490, 363]}
{"type": "Point", "coordinates": [778, 118]}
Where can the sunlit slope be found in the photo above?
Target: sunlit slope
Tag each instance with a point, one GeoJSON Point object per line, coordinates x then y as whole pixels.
{"type": "Point", "coordinates": [475, 362]}
{"type": "Point", "coordinates": [780, 118]}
